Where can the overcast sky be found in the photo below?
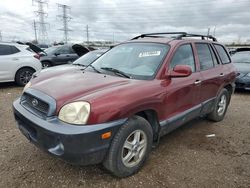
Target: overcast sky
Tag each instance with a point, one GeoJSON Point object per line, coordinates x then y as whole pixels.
{"type": "Point", "coordinates": [120, 20]}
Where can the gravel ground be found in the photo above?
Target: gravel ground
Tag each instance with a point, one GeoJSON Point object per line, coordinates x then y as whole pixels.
{"type": "Point", "coordinates": [184, 158]}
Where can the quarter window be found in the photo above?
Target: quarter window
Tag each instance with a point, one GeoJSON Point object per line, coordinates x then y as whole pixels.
{"type": "Point", "coordinates": [183, 56]}
{"type": "Point", "coordinates": [205, 57]}
{"type": "Point", "coordinates": [222, 53]}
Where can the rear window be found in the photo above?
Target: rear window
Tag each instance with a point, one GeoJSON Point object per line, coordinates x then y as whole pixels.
{"type": "Point", "coordinates": [224, 57]}
{"type": "Point", "coordinates": [8, 49]}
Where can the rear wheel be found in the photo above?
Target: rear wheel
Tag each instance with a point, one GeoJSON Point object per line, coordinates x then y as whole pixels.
{"type": "Point", "coordinates": [46, 64]}
{"type": "Point", "coordinates": [23, 76]}
{"type": "Point", "coordinates": [220, 107]}
{"type": "Point", "coordinates": [130, 147]}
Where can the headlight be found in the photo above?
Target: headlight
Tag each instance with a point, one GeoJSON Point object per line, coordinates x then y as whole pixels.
{"type": "Point", "coordinates": [27, 86]}
{"type": "Point", "coordinates": [75, 113]}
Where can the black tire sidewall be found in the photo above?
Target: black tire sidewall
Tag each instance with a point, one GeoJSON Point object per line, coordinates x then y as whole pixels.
{"type": "Point", "coordinates": [18, 74]}
{"type": "Point", "coordinates": [46, 63]}
{"type": "Point", "coordinates": [215, 116]}
{"type": "Point", "coordinates": [135, 123]}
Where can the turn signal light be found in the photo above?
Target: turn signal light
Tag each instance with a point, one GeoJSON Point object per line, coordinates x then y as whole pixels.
{"type": "Point", "coordinates": [106, 135]}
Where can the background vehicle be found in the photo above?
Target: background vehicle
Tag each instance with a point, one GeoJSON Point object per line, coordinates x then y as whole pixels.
{"type": "Point", "coordinates": [113, 111]}
{"type": "Point", "coordinates": [43, 46]}
{"type": "Point", "coordinates": [17, 63]}
{"type": "Point", "coordinates": [89, 57]}
{"type": "Point", "coordinates": [241, 61]}
{"type": "Point", "coordinates": [58, 55]}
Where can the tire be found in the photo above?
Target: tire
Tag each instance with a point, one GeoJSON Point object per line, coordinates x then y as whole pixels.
{"type": "Point", "coordinates": [23, 76]}
{"type": "Point", "coordinates": [220, 107]}
{"type": "Point", "coordinates": [116, 161]}
{"type": "Point", "coordinates": [46, 64]}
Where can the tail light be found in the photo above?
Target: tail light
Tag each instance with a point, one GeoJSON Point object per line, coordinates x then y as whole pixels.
{"type": "Point", "coordinates": [37, 56]}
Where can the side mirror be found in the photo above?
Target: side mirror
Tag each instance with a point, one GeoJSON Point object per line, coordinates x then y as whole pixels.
{"type": "Point", "coordinates": [56, 54]}
{"type": "Point", "coordinates": [181, 71]}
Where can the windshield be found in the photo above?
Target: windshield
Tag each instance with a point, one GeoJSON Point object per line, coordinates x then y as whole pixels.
{"type": "Point", "coordinates": [241, 57]}
{"type": "Point", "coordinates": [137, 60]}
{"type": "Point", "coordinates": [88, 58]}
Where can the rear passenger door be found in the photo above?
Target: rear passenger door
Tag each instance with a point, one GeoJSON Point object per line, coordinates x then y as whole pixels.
{"type": "Point", "coordinates": [212, 75]}
{"type": "Point", "coordinates": [8, 62]}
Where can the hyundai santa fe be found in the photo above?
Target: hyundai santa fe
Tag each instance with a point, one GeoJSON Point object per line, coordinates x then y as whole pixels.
{"type": "Point", "coordinates": [117, 108]}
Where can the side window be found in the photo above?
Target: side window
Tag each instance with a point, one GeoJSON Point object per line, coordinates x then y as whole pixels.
{"type": "Point", "coordinates": [216, 61]}
{"type": "Point", "coordinates": [14, 49]}
{"type": "Point", "coordinates": [183, 56]}
{"type": "Point", "coordinates": [5, 49]}
{"type": "Point", "coordinates": [205, 57]}
{"type": "Point", "coordinates": [222, 53]}
{"type": "Point", "coordinates": [64, 50]}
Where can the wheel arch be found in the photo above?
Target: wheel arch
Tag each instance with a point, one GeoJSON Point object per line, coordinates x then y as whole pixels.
{"type": "Point", "coordinates": [151, 116]}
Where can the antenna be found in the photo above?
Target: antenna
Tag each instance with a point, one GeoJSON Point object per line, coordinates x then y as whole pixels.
{"type": "Point", "coordinates": [43, 35]}
{"type": "Point", "coordinates": [65, 18]}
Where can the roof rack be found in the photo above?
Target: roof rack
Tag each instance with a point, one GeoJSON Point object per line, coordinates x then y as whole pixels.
{"type": "Point", "coordinates": [180, 35]}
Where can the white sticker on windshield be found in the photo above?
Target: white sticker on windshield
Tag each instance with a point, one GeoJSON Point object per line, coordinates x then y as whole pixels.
{"type": "Point", "coordinates": [148, 54]}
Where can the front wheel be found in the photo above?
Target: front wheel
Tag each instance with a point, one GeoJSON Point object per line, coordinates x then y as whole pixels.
{"type": "Point", "coordinates": [23, 76]}
{"type": "Point", "coordinates": [220, 107]}
{"type": "Point", "coordinates": [130, 147]}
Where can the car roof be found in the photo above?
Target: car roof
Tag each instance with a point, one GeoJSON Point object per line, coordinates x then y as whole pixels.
{"type": "Point", "coordinates": [173, 38]}
{"type": "Point", "coordinates": [172, 41]}
{"type": "Point", "coordinates": [14, 44]}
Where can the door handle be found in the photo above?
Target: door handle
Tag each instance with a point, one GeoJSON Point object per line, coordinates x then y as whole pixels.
{"type": "Point", "coordinates": [197, 82]}
{"type": "Point", "coordinates": [15, 59]}
{"type": "Point", "coordinates": [221, 74]}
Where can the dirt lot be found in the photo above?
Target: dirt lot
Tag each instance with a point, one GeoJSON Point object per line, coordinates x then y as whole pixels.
{"type": "Point", "coordinates": [185, 158]}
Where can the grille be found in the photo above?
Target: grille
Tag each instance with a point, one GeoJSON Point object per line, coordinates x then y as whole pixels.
{"type": "Point", "coordinates": [34, 103]}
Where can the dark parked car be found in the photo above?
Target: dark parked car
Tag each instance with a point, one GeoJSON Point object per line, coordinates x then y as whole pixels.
{"type": "Point", "coordinates": [89, 57]}
{"type": "Point", "coordinates": [116, 109]}
{"type": "Point", "coordinates": [241, 61]}
{"type": "Point", "coordinates": [63, 54]}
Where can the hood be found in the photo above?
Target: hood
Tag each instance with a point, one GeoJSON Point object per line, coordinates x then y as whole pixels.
{"type": "Point", "coordinates": [71, 83]}
{"type": "Point", "coordinates": [79, 49]}
{"type": "Point", "coordinates": [242, 67]}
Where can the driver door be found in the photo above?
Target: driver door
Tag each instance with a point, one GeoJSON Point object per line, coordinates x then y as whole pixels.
{"type": "Point", "coordinates": [183, 97]}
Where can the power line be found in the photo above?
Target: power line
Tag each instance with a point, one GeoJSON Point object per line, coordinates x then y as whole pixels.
{"type": "Point", "coordinates": [65, 18]}
{"type": "Point", "coordinates": [43, 35]}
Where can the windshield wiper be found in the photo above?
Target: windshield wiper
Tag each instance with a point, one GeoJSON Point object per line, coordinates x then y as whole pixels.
{"type": "Point", "coordinates": [93, 68]}
{"type": "Point", "coordinates": [78, 64]}
{"type": "Point", "coordinates": [116, 71]}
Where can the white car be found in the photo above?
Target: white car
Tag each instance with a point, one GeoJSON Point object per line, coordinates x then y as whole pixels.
{"type": "Point", "coordinates": [17, 63]}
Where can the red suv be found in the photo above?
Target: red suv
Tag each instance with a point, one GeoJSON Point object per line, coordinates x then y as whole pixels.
{"type": "Point", "coordinates": [114, 110]}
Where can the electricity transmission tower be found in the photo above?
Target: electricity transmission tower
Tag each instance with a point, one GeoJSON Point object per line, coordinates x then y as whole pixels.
{"type": "Point", "coordinates": [42, 30]}
{"type": "Point", "coordinates": [65, 18]}
{"type": "Point", "coordinates": [35, 29]}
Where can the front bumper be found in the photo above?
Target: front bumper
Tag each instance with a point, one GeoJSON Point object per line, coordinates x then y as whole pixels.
{"type": "Point", "coordinates": [243, 83]}
{"type": "Point", "coordinates": [81, 145]}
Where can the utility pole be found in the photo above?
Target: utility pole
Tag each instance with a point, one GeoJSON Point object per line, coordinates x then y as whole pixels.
{"type": "Point", "coordinates": [35, 28]}
{"type": "Point", "coordinates": [214, 30]}
{"type": "Point", "coordinates": [87, 32]}
{"type": "Point", "coordinates": [208, 31]}
{"type": "Point", "coordinates": [65, 18]}
{"type": "Point", "coordinates": [43, 36]}
{"type": "Point", "coordinates": [1, 38]}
